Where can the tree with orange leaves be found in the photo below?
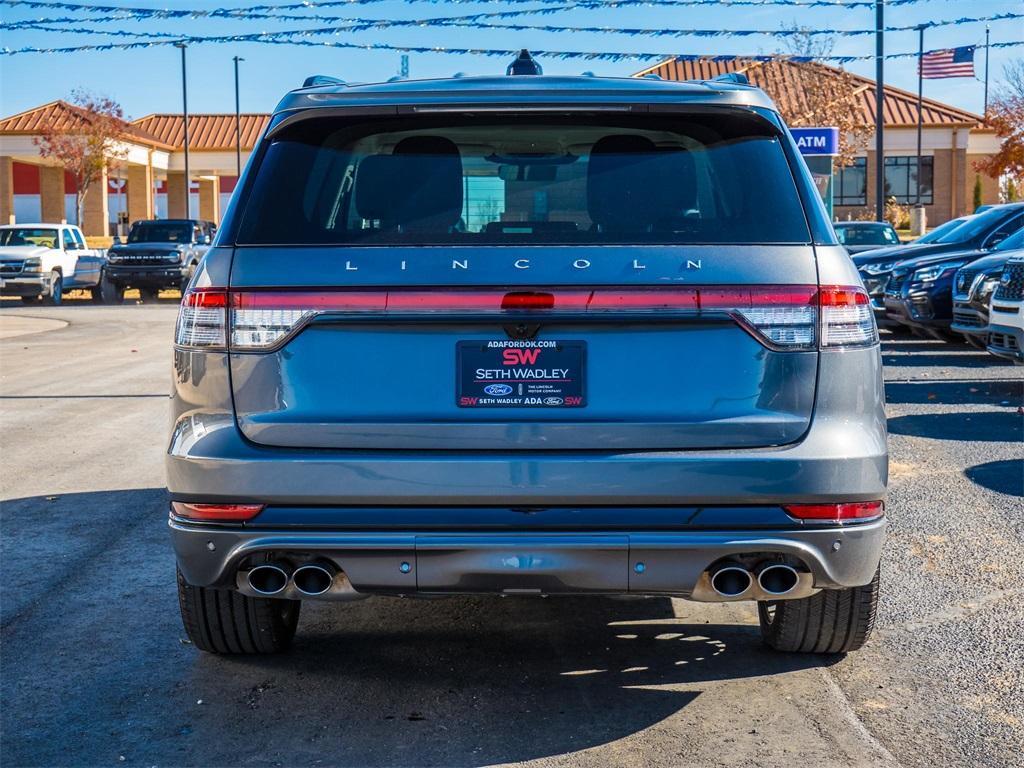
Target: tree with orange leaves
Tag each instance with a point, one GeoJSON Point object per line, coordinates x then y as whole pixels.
{"type": "Point", "coordinates": [1006, 117]}
{"type": "Point", "coordinates": [87, 143]}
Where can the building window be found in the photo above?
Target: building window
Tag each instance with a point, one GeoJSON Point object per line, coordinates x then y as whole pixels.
{"type": "Point", "coordinates": [851, 183]}
{"type": "Point", "coordinates": [901, 179]}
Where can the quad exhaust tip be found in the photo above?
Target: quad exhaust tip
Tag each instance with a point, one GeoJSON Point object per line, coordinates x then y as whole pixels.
{"type": "Point", "coordinates": [778, 579]}
{"type": "Point", "coordinates": [313, 579]}
{"type": "Point", "coordinates": [731, 581]}
{"type": "Point", "coordinates": [267, 579]}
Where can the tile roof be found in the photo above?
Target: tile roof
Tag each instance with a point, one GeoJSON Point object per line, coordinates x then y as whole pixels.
{"type": "Point", "coordinates": [63, 115]}
{"type": "Point", "coordinates": [206, 132]}
{"type": "Point", "coordinates": [782, 82]}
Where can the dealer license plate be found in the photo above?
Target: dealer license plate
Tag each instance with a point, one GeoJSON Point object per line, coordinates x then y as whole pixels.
{"type": "Point", "coordinates": [520, 374]}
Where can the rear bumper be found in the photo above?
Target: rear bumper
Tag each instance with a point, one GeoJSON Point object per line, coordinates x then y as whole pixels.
{"type": "Point", "coordinates": [529, 562]}
{"type": "Point", "coordinates": [25, 284]}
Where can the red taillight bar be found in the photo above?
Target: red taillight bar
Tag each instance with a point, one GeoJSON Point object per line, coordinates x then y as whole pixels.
{"type": "Point", "coordinates": [219, 512]}
{"type": "Point", "coordinates": [555, 299]}
{"type": "Point", "coordinates": [849, 510]}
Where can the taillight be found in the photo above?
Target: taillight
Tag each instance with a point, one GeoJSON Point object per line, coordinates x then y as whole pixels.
{"type": "Point", "coordinates": [847, 510]}
{"type": "Point", "coordinates": [202, 319]}
{"type": "Point", "coordinates": [215, 512]}
{"type": "Point", "coordinates": [781, 317]}
{"type": "Point", "coordinates": [846, 318]}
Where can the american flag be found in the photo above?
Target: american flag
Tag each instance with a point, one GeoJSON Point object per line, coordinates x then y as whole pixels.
{"type": "Point", "coordinates": [951, 62]}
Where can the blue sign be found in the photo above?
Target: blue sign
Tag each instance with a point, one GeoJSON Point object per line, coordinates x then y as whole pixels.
{"type": "Point", "coordinates": [817, 141]}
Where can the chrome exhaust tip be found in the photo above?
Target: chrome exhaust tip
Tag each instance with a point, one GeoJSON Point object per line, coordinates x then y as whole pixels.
{"type": "Point", "coordinates": [731, 581]}
{"type": "Point", "coordinates": [778, 579]}
{"type": "Point", "coordinates": [313, 579]}
{"type": "Point", "coordinates": [267, 579]}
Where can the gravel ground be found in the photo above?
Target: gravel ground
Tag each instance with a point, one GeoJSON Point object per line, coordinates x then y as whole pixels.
{"type": "Point", "coordinates": [96, 671]}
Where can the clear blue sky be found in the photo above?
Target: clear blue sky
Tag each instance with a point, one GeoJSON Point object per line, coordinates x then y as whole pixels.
{"type": "Point", "coordinates": [148, 80]}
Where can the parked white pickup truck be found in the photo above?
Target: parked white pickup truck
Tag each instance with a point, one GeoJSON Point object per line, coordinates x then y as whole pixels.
{"type": "Point", "coordinates": [46, 260]}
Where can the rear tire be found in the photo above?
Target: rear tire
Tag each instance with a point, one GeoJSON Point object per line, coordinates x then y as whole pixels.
{"type": "Point", "coordinates": [224, 621]}
{"type": "Point", "coordinates": [831, 621]}
{"type": "Point", "coordinates": [29, 299]}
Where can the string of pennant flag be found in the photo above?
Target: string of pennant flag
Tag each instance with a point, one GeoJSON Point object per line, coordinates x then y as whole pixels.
{"type": "Point", "coordinates": [246, 12]}
{"type": "Point", "coordinates": [481, 21]}
{"type": "Point", "coordinates": [276, 38]}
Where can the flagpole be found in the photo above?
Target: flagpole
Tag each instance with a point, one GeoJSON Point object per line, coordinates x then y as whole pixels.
{"type": "Point", "coordinates": [879, 110]}
{"type": "Point", "coordinates": [984, 112]}
{"type": "Point", "coordinates": [920, 90]}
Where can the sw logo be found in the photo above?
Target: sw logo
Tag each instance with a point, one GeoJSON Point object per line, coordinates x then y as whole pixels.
{"type": "Point", "coordinates": [498, 390]}
{"type": "Point", "coordinates": [520, 356]}
{"type": "Point", "coordinates": [468, 400]}
{"type": "Point", "coordinates": [573, 400]}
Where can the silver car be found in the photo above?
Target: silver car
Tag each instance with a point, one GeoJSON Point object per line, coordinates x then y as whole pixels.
{"type": "Point", "coordinates": [527, 336]}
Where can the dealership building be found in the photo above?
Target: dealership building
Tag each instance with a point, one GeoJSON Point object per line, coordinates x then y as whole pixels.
{"type": "Point", "coordinates": [148, 178]}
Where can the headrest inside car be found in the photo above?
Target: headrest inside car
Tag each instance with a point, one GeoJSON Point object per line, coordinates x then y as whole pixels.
{"type": "Point", "coordinates": [622, 183]}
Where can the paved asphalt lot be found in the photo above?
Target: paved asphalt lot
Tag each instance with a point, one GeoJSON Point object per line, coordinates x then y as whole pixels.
{"type": "Point", "coordinates": [96, 670]}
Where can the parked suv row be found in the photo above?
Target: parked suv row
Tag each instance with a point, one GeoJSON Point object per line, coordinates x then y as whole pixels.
{"type": "Point", "coordinates": [942, 285]}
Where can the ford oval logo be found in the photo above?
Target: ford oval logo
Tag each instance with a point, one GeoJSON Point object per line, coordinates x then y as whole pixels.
{"type": "Point", "coordinates": [553, 401]}
{"type": "Point", "coordinates": [497, 390]}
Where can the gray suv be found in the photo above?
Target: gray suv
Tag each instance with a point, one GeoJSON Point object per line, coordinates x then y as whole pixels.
{"type": "Point", "coordinates": [527, 335]}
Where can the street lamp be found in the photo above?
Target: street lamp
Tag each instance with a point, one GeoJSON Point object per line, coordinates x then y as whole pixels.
{"type": "Point", "coordinates": [238, 124]}
{"type": "Point", "coordinates": [184, 107]}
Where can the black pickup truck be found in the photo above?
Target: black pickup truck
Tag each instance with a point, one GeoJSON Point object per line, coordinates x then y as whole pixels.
{"type": "Point", "coordinates": [159, 254]}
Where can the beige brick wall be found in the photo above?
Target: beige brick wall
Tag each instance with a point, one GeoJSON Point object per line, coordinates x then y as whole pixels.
{"type": "Point", "coordinates": [51, 193]}
{"type": "Point", "coordinates": [140, 192]}
{"type": "Point", "coordinates": [95, 212]}
{"type": "Point", "coordinates": [176, 208]}
{"type": "Point", "coordinates": [6, 189]}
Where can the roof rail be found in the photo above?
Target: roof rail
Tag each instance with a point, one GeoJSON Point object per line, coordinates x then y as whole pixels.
{"type": "Point", "coordinates": [732, 77]}
{"type": "Point", "coordinates": [314, 80]}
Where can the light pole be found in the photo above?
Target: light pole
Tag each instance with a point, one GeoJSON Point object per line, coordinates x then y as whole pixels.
{"type": "Point", "coordinates": [184, 109]}
{"type": "Point", "coordinates": [238, 124]}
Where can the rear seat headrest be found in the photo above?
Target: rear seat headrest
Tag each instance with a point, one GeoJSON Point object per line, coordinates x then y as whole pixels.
{"type": "Point", "coordinates": [622, 181]}
{"type": "Point", "coordinates": [417, 187]}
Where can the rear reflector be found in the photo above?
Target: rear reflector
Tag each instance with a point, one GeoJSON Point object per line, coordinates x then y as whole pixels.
{"type": "Point", "coordinates": [789, 317]}
{"type": "Point", "coordinates": [223, 512]}
{"type": "Point", "coordinates": [849, 510]}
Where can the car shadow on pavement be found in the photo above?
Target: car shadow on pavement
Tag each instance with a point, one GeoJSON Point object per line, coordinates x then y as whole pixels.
{"type": "Point", "coordinates": [986, 426]}
{"type": "Point", "coordinates": [1000, 476]}
{"type": "Point", "coordinates": [98, 664]}
{"type": "Point", "coordinates": [468, 681]}
{"type": "Point", "coordinates": [987, 391]}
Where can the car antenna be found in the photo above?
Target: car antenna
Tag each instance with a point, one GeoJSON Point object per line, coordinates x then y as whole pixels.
{"type": "Point", "coordinates": [524, 64]}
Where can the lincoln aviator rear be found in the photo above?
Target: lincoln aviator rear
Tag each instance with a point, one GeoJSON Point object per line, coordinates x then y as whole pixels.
{"type": "Point", "coordinates": [527, 336]}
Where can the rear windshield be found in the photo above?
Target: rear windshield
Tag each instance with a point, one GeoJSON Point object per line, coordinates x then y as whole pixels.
{"type": "Point", "coordinates": [526, 181]}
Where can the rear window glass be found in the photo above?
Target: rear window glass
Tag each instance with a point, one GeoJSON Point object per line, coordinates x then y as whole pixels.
{"type": "Point", "coordinates": [525, 181]}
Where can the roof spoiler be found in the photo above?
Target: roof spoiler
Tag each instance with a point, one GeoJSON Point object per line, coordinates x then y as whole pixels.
{"type": "Point", "coordinates": [316, 80]}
